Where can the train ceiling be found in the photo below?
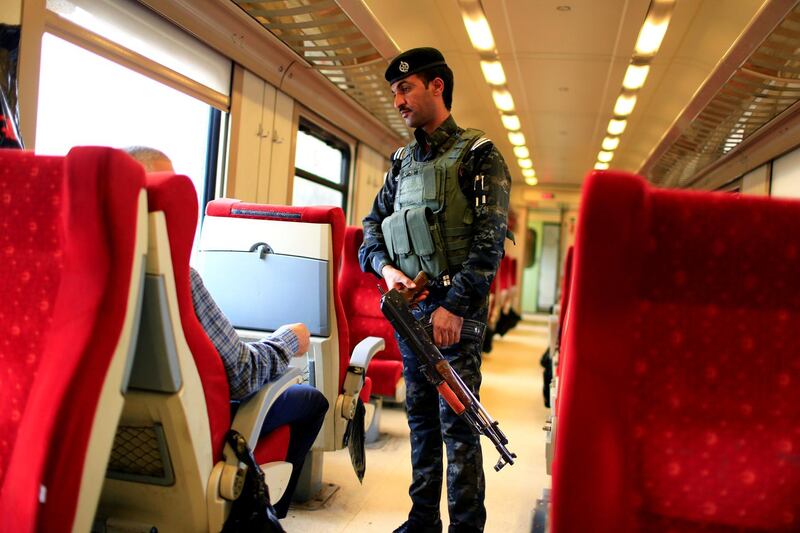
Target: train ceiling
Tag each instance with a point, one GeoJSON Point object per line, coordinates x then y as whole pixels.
{"type": "Point", "coordinates": [564, 61]}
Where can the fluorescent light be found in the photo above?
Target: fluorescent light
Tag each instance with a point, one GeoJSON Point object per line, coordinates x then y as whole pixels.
{"type": "Point", "coordinates": [503, 100]}
{"type": "Point", "coordinates": [510, 122]}
{"type": "Point", "coordinates": [528, 172]}
{"type": "Point", "coordinates": [525, 163]}
{"type": "Point", "coordinates": [610, 143]}
{"type": "Point", "coordinates": [616, 127]}
{"type": "Point", "coordinates": [522, 152]}
{"type": "Point", "coordinates": [635, 76]}
{"type": "Point", "coordinates": [532, 181]}
{"type": "Point", "coordinates": [601, 166]}
{"type": "Point", "coordinates": [478, 30]}
{"type": "Point", "coordinates": [605, 157]}
{"type": "Point", "coordinates": [625, 104]}
{"type": "Point", "coordinates": [651, 35]}
{"type": "Point", "coordinates": [493, 72]}
{"type": "Point", "coordinates": [516, 138]}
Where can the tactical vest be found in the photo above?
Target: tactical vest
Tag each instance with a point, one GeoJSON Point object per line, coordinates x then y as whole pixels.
{"type": "Point", "coordinates": [430, 229]}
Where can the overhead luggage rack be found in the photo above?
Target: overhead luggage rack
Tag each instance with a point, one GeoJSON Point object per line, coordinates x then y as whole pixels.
{"type": "Point", "coordinates": [757, 91]}
{"type": "Point", "coordinates": [327, 38]}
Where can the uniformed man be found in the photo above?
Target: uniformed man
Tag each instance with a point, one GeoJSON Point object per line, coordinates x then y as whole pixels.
{"type": "Point", "coordinates": [443, 209]}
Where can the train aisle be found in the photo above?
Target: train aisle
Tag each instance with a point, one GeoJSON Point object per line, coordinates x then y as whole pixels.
{"type": "Point", "coordinates": [511, 392]}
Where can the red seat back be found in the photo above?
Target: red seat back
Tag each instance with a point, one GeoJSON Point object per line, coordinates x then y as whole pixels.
{"type": "Point", "coordinates": [361, 299]}
{"type": "Point", "coordinates": [175, 196]}
{"type": "Point", "coordinates": [333, 216]}
{"type": "Point", "coordinates": [680, 400]}
{"type": "Point", "coordinates": [566, 287]}
{"type": "Point", "coordinates": [67, 241]}
{"type": "Point", "coordinates": [361, 302]}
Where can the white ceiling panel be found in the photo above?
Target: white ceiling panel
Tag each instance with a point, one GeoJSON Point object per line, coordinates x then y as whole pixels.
{"type": "Point", "coordinates": [565, 60]}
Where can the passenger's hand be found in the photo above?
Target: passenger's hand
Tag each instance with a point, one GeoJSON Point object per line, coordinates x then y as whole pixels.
{"type": "Point", "coordinates": [446, 327]}
{"type": "Point", "coordinates": [303, 337]}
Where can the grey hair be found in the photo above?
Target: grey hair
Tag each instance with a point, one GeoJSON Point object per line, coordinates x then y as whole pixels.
{"type": "Point", "coordinates": [147, 156]}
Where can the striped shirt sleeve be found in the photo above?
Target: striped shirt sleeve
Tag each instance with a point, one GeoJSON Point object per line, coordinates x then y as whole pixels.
{"type": "Point", "coordinates": [248, 365]}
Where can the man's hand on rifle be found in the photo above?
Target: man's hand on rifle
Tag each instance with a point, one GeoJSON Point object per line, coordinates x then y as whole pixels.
{"type": "Point", "coordinates": [446, 327]}
{"type": "Point", "coordinates": [395, 279]}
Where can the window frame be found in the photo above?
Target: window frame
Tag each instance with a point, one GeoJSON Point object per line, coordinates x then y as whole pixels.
{"type": "Point", "coordinates": [332, 140]}
{"type": "Point", "coordinates": [39, 20]}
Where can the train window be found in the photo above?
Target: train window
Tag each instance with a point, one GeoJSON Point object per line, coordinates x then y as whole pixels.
{"type": "Point", "coordinates": [786, 175]}
{"type": "Point", "coordinates": [85, 99]}
{"type": "Point", "coordinates": [322, 165]}
{"type": "Point", "coordinates": [138, 29]}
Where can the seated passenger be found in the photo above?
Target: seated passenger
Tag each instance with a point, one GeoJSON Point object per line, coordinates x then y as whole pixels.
{"type": "Point", "coordinates": [249, 365]}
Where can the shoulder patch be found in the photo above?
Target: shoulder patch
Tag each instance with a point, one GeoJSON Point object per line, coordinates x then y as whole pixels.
{"type": "Point", "coordinates": [480, 142]}
{"type": "Point", "coordinates": [399, 153]}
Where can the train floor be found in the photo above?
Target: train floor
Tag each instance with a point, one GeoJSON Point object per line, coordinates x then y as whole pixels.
{"type": "Point", "coordinates": [511, 392]}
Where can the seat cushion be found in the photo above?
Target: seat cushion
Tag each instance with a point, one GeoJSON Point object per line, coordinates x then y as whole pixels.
{"type": "Point", "coordinates": [385, 375]}
{"type": "Point", "coordinates": [273, 446]}
{"type": "Point", "coordinates": [366, 390]}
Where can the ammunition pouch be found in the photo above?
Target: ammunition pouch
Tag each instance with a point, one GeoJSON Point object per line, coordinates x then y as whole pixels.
{"type": "Point", "coordinates": [414, 241]}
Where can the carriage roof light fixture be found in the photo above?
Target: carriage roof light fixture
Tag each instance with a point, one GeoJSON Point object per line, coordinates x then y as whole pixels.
{"type": "Point", "coordinates": [510, 122]}
{"type": "Point", "coordinates": [625, 104]}
{"type": "Point", "coordinates": [651, 35]}
{"type": "Point", "coordinates": [654, 28]}
{"type": "Point", "coordinates": [605, 157]}
{"type": "Point", "coordinates": [610, 143]}
{"type": "Point", "coordinates": [480, 35]}
{"type": "Point", "coordinates": [493, 72]}
{"type": "Point", "coordinates": [503, 100]}
{"type": "Point", "coordinates": [517, 138]}
{"type": "Point", "coordinates": [616, 126]}
{"type": "Point", "coordinates": [635, 76]}
{"type": "Point", "coordinates": [522, 152]}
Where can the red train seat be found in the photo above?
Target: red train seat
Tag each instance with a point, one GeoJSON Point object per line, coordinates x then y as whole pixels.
{"type": "Point", "coordinates": [679, 402]}
{"type": "Point", "coordinates": [361, 301]}
{"type": "Point", "coordinates": [73, 241]}
{"type": "Point", "coordinates": [185, 409]}
{"type": "Point", "coordinates": [336, 366]}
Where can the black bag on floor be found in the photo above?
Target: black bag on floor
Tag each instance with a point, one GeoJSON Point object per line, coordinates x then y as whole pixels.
{"type": "Point", "coordinates": [506, 322]}
{"type": "Point", "coordinates": [547, 375]}
{"type": "Point", "coordinates": [252, 510]}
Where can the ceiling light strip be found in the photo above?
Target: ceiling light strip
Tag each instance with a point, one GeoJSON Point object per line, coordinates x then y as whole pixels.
{"type": "Point", "coordinates": [480, 35]}
{"type": "Point", "coordinates": [651, 35]}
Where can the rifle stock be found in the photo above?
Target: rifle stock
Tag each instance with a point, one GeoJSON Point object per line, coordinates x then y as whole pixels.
{"type": "Point", "coordinates": [438, 371]}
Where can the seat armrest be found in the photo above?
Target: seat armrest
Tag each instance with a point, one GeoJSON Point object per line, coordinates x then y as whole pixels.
{"type": "Point", "coordinates": [354, 380]}
{"type": "Point", "coordinates": [365, 351]}
{"type": "Point", "coordinates": [248, 421]}
{"type": "Point", "coordinates": [252, 412]}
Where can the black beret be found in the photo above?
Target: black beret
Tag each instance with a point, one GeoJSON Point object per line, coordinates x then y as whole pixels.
{"type": "Point", "coordinates": [413, 61]}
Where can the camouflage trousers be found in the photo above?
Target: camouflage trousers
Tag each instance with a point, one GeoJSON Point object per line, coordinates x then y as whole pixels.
{"type": "Point", "coordinates": [433, 423]}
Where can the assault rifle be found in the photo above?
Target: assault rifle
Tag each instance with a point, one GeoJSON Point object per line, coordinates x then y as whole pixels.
{"type": "Point", "coordinates": [395, 306]}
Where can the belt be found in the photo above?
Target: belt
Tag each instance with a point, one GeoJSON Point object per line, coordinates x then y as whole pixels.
{"type": "Point", "coordinates": [471, 330]}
